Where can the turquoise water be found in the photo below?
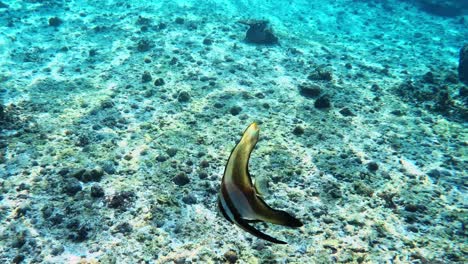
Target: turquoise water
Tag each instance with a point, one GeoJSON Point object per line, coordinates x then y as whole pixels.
{"type": "Point", "coordinates": [118, 118]}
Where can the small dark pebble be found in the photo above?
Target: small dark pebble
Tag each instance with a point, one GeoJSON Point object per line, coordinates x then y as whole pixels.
{"type": "Point", "coordinates": [181, 179]}
{"type": "Point", "coordinates": [231, 256]}
{"type": "Point", "coordinates": [161, 158]}
{"type": "Point", "coordinates": [57, 250]}
{"type": "Point", "coordinates": [235, 110]}
{"type": "Point", "coordinates": [415, 208]}
{"type": "Point", "coordinates": [346, 112]}
{"type": "Point", "coordinates": [18, 259]}
{"type": "Point", "coordinates": [71, 186]}
{"type": "Point", "coordinates": [207, 41]}
{"type": "Point", "coordinates": [123, 228]}
{"type": "Point", "coordinates": [183, 97]}
{"type": "Point", "coordinates": [55, 21]}
{"type": "Point", "coordinates": [372, 166]}
{"type": "Point", "coordinates": [189, 199]}
{"type": "Point", "coordinates": [204, 164]}
{"type": "Point", "coordinates": [171, 152]}
{"type": "Point", "coordinates": [159, 82]}
{"type": "Point", "coordinates": [179, 20]}
{"type": "Point", "coordinates": [121, 199]}
{"type": "Point", "coordinates": [97, 191]}
{"type": "Point", "coordinates": [298, 130]}
{"type": "Point", "coordinates": [203, 175]}
{"type": "Point", "coordinates": [79, 235]}
{"type": "Point", "coordinates": [144, 45]}
{"type": "Point", "coordinates": [146, 77]}
{"type": "Point", "coordinates": [309, 90]}
{"type": "Point", "coordinates": [322, 102]}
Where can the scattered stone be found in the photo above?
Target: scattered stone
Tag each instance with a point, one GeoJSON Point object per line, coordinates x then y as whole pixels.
{"type": "Point", "coordinates": [346, 112]}
{"type": "Point", "coordinates": [97, 191]}
{"type": "Point", "coordinates": [189, 199]}
{"type": "Point", "coordinates": [183, 97]}
{"type": "Point", "coordinates": [161, 158]}
{"type": "Point", "coordinates": [57, 250]}
{"type": "Point", "coordinates": [231, 256]}
{"type": "Point", "coordinates": [55, 21]}
{"type": "Point", "coordinates": [322, 102]}
{"type": "Point", "coordinates": [71, 186]}
{"type": "Point", "coordinates": [320, 75]}
{"type": "Point", "coordinates": [372, 166]}
{"type": "Point", "coordinates": [108, 167]}
{"type": "Point", "coordinates": [144, 45]}
{"type": "Point", "coordinates": [463, 65]}
{"type": "Point", "coordinates": [207, 41]}
{"type": "Point", "coordinates": [309, 90]}
{"type": "Point", "coordinates": [259, 32]}
{"type": "Point", "coordinates": [429, 78]}
{"type": "Point", "coordinates": [120, 199]}
{"type": "Point", "coordinates": [181, 179]}
{"type": "Point", "coordinates": [88, 175]}
{"type": "Point", "coordinates": [123, 228]}
{"type": "Point", "coordinates": [179, 20]}
{"type": "Point", "coordinates": [18, 259]}
{"type": "Point", "coordinates": [204, 164]}
{"type": "Point", "coordinates": [362, 189]}
{"type": "Point", "coordinates": [298, 130]}
{"type": "Point", "coordinates": [159, 82]}
{"type": "Point", "coordinates": [413, 208]}
{"type": "Point", "coordinates": [235, 110]}
{"type": "Point", "coordinates": [146, 77]}
{"type": "Point", "coordinates": [171, 152]}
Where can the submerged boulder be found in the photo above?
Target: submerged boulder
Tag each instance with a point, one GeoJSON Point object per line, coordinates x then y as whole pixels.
{"type": "Point", "coordinates": [259, 32]}
{"type": "Point", "coordinates": [463, 65]}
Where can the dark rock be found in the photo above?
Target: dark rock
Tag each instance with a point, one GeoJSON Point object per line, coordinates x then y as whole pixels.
{"type": "Point", "coordinates": [372, 166]}
{"type": "Point", "coordinates": [189, 199]}
{"type": "Point", "coordinates": [123, 228]}
{"type": "Point", "coordinates": [231, 256]}
{"type": "Point", "coordinates": [79, 235]}
{"type": "Point", "coordinates": [55, 21]}
{"type": "Point", "coordinates": [88, 175]}
{"type": "Point", "coordinates": [207, 41]}
{"type": "Point", "coordinates": [57, 250]}
{"type": "Point", "coordinates": [203, 175]}
{"type": "Point", "coordinates": [97, 191]}
{"type": "Point", "coordinates": [171, 152]}
{"type": "Point", "coordinates": [235, 110]}
{"type": "Point", "coordinates": [179, 20]}
{"type": "Point", "coordinates": [463, 65]}
{"type": "Point", "coordinates": [183, 97]}
{"type": "Point", "coordinates": [346, 112]}
{"type": "Point", "coordinates": [309, 90]}
{"type": "Point", "coordinates": [161, 158]}
{"type": "Point", "coordinates": [146, 77]}
{"type": "Point", "coordinates": [18, 259]}
{"type": "Point", "coordinates": [415, 208]}
{"type": "Point", "coordinates": [159, 82]}
{"type": "Point", "coordinates": [320, 75]}
{"type": "Point", "coordinates": [429, 78]}
{"type": "Point", "coordinates": [144, 45]}
{"type": "Point", "coordinates": [259, 32]}
{"type": "Point", "coordinates": [181, 179]}
{"type": "Point", "coordinates": [120, 199]}
{"type": "Point", "coordinates": [322, 102]}
{"type": "Point", "coordinates": [71, 186]}
{"type": "Point", "coordinates": [109, 167]}
{"type": "Point", "coordinates": [298, 130]}
{"type": "Point", "coordinates": [204, 164]}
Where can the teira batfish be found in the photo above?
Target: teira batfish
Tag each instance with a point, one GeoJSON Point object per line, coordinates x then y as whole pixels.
{"type": "Point", "coordinates": [239, 201]}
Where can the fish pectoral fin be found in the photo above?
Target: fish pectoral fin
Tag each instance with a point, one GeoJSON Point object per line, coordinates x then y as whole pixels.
{"type": "Point", "coordinates": [242, 223]}
{"type": "Point", "coordinates": [279, 217]}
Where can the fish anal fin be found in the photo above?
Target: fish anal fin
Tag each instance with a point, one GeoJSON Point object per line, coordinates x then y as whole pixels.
{"type": "Point", "coordinates": [244, 225]}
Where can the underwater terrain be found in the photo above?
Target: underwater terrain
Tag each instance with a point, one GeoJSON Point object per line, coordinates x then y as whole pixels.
{"type": "Point", "coordinates": [117, 119]}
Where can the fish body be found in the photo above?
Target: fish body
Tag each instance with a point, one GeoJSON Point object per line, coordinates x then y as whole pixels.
{"type": "Point", "coordinates": [239, 201]}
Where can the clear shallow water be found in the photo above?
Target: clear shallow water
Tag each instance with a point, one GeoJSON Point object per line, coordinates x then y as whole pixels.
{"type": "Point", "coordinates": [118, 119]}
